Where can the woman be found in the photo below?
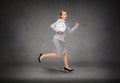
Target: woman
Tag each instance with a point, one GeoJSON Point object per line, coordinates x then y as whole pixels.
{"type": "Point", "coordinates": [60, 27]}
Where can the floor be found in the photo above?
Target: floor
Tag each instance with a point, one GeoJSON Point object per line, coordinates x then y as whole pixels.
{"type": "Point", "coordinates": [44, 73]}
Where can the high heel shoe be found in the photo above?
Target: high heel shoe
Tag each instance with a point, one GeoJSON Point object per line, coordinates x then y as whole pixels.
{"type": "Point", "coordinates": [66, 69]}
{"type": "Point", "coordinates": [39, 58]}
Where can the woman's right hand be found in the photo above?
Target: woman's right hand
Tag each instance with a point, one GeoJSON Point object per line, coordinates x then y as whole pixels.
{"type": "Point", "coordinates": [60, 32]}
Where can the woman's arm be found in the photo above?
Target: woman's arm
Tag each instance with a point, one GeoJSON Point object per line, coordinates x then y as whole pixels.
{"type": "Point", "coordinates": [53, 26]}
{"type": "Point", "coordinates": [56, 26]}
{"type": "Point", "coordinates": [70, 30]}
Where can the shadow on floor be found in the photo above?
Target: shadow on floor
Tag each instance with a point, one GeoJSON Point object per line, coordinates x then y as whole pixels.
{"type": "Point", "coordinates": [55, 70]}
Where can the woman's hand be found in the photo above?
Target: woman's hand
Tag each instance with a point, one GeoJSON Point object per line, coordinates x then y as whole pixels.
{"type": "Point", "coordinates": [60, 31]}
{"type": "Point", "coordinates": [76, 25]}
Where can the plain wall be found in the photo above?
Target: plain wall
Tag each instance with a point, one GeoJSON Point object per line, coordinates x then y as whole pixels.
{"type": "Point", "coordinates": [25, 31]}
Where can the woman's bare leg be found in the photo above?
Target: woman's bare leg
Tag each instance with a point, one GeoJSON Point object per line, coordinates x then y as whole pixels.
{"type": "Point", "coordinates": [66, 60]}
{"type": "Point", "coordinates": [53, 55]}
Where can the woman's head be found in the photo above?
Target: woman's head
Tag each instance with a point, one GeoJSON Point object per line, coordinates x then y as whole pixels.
{"type": "Point", "coordinates": [63, 15]}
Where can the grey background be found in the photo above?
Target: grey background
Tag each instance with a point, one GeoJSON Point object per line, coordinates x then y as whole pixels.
{"type": "Point", "coordinates": [25, 32]}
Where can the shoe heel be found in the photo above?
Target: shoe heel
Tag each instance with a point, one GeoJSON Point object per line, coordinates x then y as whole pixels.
{"type": "Point", "coordinates": [68, 70]}
{"type": "Point", "coordinates": [39, 58]}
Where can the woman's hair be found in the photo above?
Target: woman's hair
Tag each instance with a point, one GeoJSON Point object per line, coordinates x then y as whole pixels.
{"type": "Point", "coordinates": [60, 14]}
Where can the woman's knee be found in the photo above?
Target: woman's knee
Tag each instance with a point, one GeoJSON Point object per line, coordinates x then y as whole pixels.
{"type": "Point", "coordinates": [57, 54]}
{"type": "Point", "coordinates": [66, 53]}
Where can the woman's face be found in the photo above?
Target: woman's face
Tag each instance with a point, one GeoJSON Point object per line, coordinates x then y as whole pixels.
{"type": "Point", "coordinates": [64, 15]}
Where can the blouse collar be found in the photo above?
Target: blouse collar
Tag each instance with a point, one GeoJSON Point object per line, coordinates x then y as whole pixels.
{"type": "Point", "coordinates": [61, 20]}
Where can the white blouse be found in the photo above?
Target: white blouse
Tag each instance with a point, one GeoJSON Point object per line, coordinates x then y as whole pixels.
{"type": "Point", "coordinates": [60, 24]}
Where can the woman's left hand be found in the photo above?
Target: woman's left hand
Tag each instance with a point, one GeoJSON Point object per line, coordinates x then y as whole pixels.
{"type": "Point", "coordinates": [76, 25]}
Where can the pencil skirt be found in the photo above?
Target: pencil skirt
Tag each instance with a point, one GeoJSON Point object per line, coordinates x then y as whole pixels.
{"type": "Point", "coordinates": [60, 47]}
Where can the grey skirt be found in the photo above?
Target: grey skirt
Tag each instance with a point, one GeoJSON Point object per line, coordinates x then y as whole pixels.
{"type": "Point", "coordinates": [60, 47]}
